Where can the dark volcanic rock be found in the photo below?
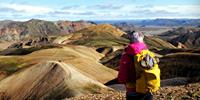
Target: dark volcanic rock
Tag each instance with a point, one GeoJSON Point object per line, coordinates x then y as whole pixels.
{"type": "Point", "coordinates": [189, 37]}
{"type": "Point", "coordinates": [16, 45]}
{"type": "Point", "coordinates": [24, 51]}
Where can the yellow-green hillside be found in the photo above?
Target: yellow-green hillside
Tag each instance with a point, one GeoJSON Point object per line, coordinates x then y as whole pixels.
{"type": "Point", "coordinates": [83, 58]}
{"type": "Point", "coordinates": [157, 43]}
{"type": "Point", "coordinates": [95, 36]}
{"type": "Point", "coordinates": [101, 30]}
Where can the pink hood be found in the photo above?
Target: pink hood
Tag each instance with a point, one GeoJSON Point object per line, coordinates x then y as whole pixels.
{"type": "Point", "coordinates": [126, 68]}
{"type": "Point", "coordinates": [135, 48]}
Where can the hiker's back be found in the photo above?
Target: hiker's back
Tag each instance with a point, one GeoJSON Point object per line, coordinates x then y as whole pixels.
{"type": "Point", "coordinates": [147, 72]}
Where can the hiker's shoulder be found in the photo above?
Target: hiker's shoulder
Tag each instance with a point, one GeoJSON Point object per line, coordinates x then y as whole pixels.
{"type": "Point", "coordinates": [136, 45]}
{"type": "Point", "coordinates": [134, 48]}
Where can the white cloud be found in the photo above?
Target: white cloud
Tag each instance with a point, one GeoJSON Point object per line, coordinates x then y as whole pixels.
{"type": "Point", "coordinates": [167, 11]}
{"type": "Point", "coordinates": [27, 8]}
{"type": "Point", "coordinates": [103, 11]}
{"type": "Point", "coordinates": [178, 8]}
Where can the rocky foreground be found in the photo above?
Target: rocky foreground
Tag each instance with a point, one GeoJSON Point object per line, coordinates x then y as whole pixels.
{"type": "Point", "coordinates": [183, 92]}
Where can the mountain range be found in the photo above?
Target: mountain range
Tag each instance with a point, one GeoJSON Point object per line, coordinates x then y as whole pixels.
{"type": "Point", "coordinates": [154, 22]}
{"type": "Point", "coordinates": [189, 37]}
{"type": "Point", "coordinates": [16, 31]}
{"type": "Point", "coordinates": [79, 60]}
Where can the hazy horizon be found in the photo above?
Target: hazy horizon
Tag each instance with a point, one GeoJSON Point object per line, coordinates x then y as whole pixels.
{"type": "Point", "coordinates": [106, 20]}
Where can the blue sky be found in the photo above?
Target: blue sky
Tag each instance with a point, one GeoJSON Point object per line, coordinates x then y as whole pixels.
{"type": "Point", "coordinates": [98, 9]}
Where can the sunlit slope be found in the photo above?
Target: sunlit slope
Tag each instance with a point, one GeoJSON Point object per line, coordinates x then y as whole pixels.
{"type": "Point", "coordinates": [83, 58]}
{"type": "Point", "coordinates": [154, 42]}
{"type": "Point", "coordinates": [48, 80]}
{"type": "Point", "coordinates": [100, 30]}
{"type": "Point", "coordinates": [95, 36]}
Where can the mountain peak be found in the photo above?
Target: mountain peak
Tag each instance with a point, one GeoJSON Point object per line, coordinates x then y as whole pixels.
{"type": "Point", "coordinates": [103, 29]}
{"type": "Point", "coordinates": [34, 20]}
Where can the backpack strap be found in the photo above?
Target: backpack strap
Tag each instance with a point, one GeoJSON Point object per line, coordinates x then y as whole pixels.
{"type": "Point", "coordinates": [148, 62]}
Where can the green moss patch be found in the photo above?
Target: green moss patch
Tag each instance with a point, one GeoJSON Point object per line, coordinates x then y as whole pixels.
{"type": "Point", "coordinates": [11, 65]}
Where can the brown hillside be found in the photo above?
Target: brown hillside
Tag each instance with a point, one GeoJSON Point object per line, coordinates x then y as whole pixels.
{"type": "Point", "coordinates": [12, 30]}
{"type": "Point", "coordinates": [190, 37]}
{"type": "Point", "coordinates": [154, 42]}
{"type": "Point", "coordinates": [32, 28]}
{"type": "Point", "coordinates": [83, 58]}
{"type": "Point", "coordinates": [72, 26]}
{"type": "Point", "coordinates": [180, 65]}
{"type": "Point", "coordinates": [103, 35]}
{"type": "Point", "coordinates": [101, 30]}
{"type": "Point", "coordinates": [48, 80]}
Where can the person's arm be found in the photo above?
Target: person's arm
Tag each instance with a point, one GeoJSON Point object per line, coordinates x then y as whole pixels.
{"type": "Point", "coordinates": [123, 68]}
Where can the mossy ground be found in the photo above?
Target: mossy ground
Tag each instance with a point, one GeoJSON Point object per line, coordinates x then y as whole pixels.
{"type": "Point", "coordinates": [11, 64]}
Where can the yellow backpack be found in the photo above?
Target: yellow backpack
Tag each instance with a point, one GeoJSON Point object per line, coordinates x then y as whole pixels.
{"type": "Point", "coordinates": [147, 72]}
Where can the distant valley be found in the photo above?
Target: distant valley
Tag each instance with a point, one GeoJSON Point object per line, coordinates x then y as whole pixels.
{"type": "Point", "coordinates": [155, 22]}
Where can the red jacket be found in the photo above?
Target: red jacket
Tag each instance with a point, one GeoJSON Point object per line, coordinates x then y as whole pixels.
{"type": "Point", "coordinates": [127, 70]}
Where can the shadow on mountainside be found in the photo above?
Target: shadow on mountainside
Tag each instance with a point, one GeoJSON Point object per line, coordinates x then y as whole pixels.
{"type": "Point", "coordinates": [24, 51]}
